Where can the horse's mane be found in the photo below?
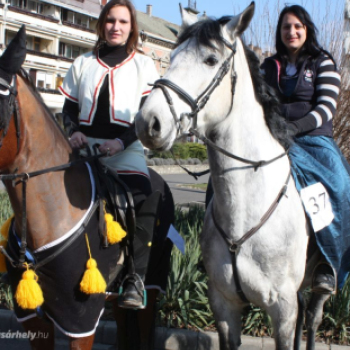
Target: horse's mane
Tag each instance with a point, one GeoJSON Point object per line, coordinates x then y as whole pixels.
{"type": "Point", "coordinates": [269, 101]}
{"type": "Point", "coordinates": [208, 33]}
{"type": "Point", "coordinates": [26, 77]}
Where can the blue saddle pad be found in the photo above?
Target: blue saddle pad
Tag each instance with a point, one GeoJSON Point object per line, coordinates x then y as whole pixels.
{"type": "Point", "coordinates": [318, 159]}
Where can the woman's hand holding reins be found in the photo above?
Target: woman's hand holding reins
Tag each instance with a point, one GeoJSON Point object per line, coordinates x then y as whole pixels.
{"type": "Point", "coordinates": [78, 140]}
{"type": "Point", "coordinates": [111, 147]}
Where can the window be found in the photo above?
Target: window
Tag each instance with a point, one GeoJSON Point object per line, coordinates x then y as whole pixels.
{"type": "Point", "coordinates": [36, 44]}
{"type": "Point", "coordinates": [9, 37]}
{"type": "Point", "coordinates": [44, 80]}
{"type": "Point", "coordinates": [75, 18]}
{"type": "Point", "coordinates": [71, 51]}
{"type": "Point", "coordinates": [33, 43]}
{"type": "Point", "coordinates": [30, 5]}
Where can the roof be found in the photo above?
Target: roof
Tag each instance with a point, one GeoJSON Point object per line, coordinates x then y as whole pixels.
{"type": "Point", "coordinates": [157, 26]}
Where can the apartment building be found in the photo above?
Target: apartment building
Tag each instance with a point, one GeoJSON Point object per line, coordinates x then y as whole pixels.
{"type": "Point", "coordinates": [58, 31]}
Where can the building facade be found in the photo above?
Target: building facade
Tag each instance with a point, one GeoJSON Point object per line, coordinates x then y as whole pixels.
{"type": "Point", "coordinates": [58, 31]}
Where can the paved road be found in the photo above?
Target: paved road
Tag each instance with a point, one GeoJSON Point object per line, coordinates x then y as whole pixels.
{"type": "Point", "coordinates": [181, 195]}
{"type": "Point", "coordinates": [185, 195]}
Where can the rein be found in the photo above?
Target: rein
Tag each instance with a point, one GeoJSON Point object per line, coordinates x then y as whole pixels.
{"type": "Point", "coordinates": [24, 178]}
{"type": "Point", "coordinates": [255, 164]}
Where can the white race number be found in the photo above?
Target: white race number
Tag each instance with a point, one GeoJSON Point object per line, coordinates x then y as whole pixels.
{"type": "Point", "coordinates": [317, 204]}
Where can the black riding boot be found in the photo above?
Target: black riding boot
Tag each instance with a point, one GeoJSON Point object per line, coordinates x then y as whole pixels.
{"type": "Point", "coordinates": [324, 279]}
{"type": "Point", "coordinates": [133, 287]}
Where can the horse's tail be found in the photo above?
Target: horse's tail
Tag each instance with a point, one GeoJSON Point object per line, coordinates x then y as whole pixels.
{"type": "Point", "coordinates": [300, 321]}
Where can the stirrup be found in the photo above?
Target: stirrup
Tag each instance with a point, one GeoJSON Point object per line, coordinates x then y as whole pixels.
{"type": "Point", "coordinates": [137, 278]}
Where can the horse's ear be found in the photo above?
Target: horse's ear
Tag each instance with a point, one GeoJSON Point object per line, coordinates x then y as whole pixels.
{"type": "Point", "coordinates": [15, 54]}
{"type": "Point", "coordinates": [240, 23]}
{"type": "Point", "coordinates": [187, 19]}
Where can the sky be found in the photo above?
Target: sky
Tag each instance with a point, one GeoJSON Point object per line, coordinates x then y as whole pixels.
{"type": "Point", "coordinates": [327, 15]}
{"type": "Point", "coordinates": [169, 9]}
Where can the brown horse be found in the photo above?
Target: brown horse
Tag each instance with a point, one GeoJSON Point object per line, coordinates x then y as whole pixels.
{"type": "Point", "coordinates": [48, 206]}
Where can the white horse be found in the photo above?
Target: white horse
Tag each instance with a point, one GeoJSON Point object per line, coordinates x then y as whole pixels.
{"type": "Point", "coordinates": [255, 235]}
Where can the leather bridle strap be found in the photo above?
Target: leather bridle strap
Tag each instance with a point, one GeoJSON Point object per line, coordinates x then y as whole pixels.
{"type": "Point", "coordinates": [197, 104]}
{"type": "Point", "coordinates": [234, 246]}
{"type": "Point", "coordinates": [13, 108]}
{"type": "Point", "coordinates": [65, 166]}
{"type": "Point", "coordinates": [255, 164]}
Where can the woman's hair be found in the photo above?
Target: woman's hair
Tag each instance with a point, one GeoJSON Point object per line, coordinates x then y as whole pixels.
{"type": "Point", "coordinates": [133, 39]}
{"type": "Point", "coordinates": [311, 46]}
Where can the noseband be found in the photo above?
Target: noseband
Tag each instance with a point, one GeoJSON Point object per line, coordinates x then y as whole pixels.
{"type": "Point", "coordinates": [13, 108]}
{"type": "Point", "coordinates": [198, 104]}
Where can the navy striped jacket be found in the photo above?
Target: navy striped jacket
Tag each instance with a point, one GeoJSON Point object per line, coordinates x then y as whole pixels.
{"type": "Point", "coordinates": [312, 105]}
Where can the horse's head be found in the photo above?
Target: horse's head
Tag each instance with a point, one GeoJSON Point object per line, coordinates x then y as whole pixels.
{"type": "Point", "coordinates": [10, 63]}
{"type": "Point", "coordinates": [197, 90]}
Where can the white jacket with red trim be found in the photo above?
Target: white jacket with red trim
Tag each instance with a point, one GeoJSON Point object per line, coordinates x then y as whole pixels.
{"type": "Point", "coordinates": [128, 83]}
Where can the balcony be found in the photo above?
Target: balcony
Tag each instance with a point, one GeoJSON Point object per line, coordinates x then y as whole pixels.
{"type": "Point", "coordinates": [78, 26]}
{"type": "Point", "coordinates": [48, 55]}
{"type": "Point", "coordinates": [33, 14]}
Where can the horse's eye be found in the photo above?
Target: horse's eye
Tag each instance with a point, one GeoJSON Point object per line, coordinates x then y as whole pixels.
{"type": "Point", "coordinates": [211, 61]}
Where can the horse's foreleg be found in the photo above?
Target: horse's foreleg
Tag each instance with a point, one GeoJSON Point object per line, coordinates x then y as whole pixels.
{"type": "Point", "coordinates": [300, 321]}
{"type": "Point", "coordinates": [228, 319]}
{"type": "Point", "coordinates": [314, 317]}
{"type": "Point", "coordinates": [85, 343]}
{"type": "Point", "coordinates": [121, 318]}
{"type": "Point", "coordinates": [284, 317]}
{"type": "Point", "coordinates": [146, 321]}
{"type": "Point", "coordinates": [135, 328]}
{"type": "Point", "coordinates": [41, 333]}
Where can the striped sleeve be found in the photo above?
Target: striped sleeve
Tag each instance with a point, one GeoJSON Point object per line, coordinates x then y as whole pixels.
{"type": "Point", "coordinates": [327, 87]}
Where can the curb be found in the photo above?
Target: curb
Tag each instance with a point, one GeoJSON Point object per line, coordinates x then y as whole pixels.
{"type": "Point", "coordinates": [165, 339]}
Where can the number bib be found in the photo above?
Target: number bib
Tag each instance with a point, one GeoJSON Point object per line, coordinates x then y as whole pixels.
{"type": "Point", "coordinates": [317, 204]}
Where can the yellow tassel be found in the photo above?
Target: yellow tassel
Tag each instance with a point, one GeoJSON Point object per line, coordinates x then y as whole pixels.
{"type": "Point", "coordinates": [115, 232]}
{"type": "Point", "coordinates": [6, 227]}
{"type": "Point", "coordinates": [29, 294]}
{"type": "Point", "coordinates": [92, 281]}
{"type": "Point", "coordinates": [3, 267]}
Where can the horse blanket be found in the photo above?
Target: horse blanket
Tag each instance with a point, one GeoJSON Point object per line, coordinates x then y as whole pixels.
{"type": "Point", "coordinates": [318, 159]}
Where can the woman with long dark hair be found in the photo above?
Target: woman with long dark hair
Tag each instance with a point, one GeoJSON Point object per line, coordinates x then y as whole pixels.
{"type": "Point", "coordinates": [306, 80]}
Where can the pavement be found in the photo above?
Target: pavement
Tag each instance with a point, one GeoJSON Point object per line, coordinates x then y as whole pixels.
{"type": "Point", "coordinates": [12, 334]}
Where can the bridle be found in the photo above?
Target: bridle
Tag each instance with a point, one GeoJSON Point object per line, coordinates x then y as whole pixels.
{"type": "Point", "coordinates": [198, 104]}
{"type": "Point", "coordinates": [13, 108]}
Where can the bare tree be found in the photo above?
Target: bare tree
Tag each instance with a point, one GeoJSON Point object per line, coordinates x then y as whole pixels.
{"type": "Point", "coordinates": [341, 122]}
